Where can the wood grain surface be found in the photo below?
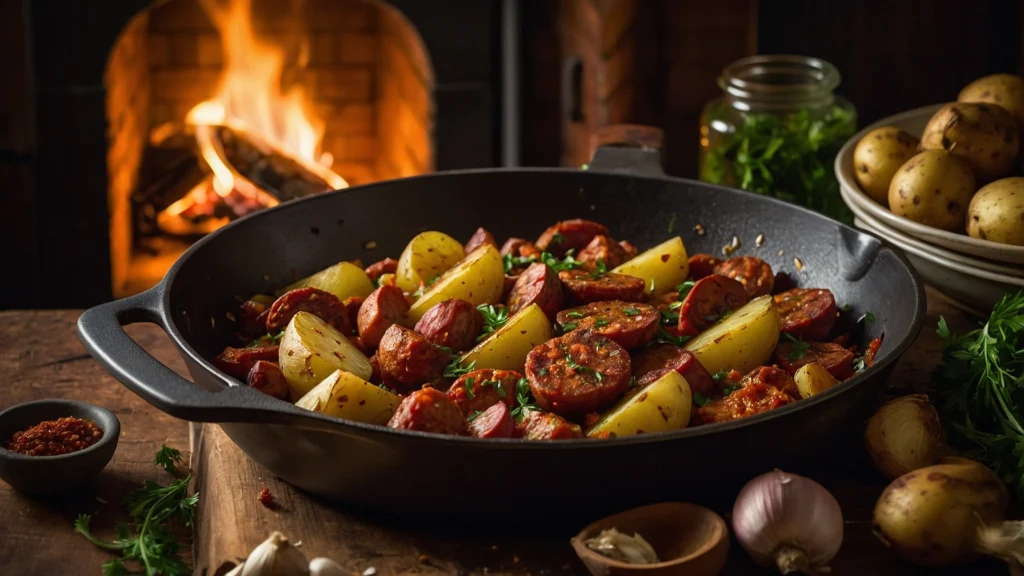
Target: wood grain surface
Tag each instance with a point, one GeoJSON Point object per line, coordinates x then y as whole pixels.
{"type": "Point", "coordinates": [40, 357]}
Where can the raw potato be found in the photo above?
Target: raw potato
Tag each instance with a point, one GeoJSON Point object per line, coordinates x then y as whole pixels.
{"type": "Point", "coordinates": [1006, 90]}
{"type": "Point", "coordinates": [996, 212]}
{"type": "Point", "coordinates": [344, 280]}
{"type": "Point", "coordinates": [479, 279]}
{"type": "Point", "coordinates": [663, 267]}
{"type": "Point", "coordinates": [660, 406]}
{"type": "Point", "coordinates": [507, 347]}
{"type": "Point", "coordinates": [934, 189]}
{"type": "Point", "coordinates": [813, 379]}
{"type": "Point", "coordinates": [984, 136]}
{"type": "Point", "coordinates": [877, 157]}
{"type": "Point", "coordinates": [426, 257]}
{"type": "Point", "coordinates": [743, 341]}
{"type": "Point", "coordinates": [312, 349]}
{"type": "Point", "coordinates": [348, 396]}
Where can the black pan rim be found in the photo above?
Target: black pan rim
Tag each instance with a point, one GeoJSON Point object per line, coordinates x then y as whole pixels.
{"type": "Point", "coordinates": [166, 284]}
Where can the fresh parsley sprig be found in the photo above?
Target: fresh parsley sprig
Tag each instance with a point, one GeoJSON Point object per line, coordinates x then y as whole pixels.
{"type": "Point", "coordinates": [524, 400]}
{"type": "Point", "coordinates": [454, 370]}
{"type": "Point", "coordinates": [799, 349]}
{"type": "Point", "coordinates": [168, 458]}
{"type": "Point", "coordinates": [494, 318]}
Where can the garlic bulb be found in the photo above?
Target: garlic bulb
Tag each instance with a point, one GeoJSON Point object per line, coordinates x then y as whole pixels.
{"type": "Point", "coordinates": [904, 435]}
{"type": "Point", "coordinates": [274, 557]}
{"type": "Point", "coordinates": [325, 567]}
{"type": "Point", "coordinates": [788, 521]}
{"type": "Point", "coordinates": [622, 547]}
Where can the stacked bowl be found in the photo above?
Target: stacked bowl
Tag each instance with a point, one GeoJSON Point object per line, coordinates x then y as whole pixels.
{"type": "Point", "coordinates": [972, 273]}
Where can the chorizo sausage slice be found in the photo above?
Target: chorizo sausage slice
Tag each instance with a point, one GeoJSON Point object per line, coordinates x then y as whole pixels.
{"type": "Point", "coordinates": [480, 389]}
{"type": "Point", "coordinates": [408, 360]}
{"type": "Point", "coordinates": [539, 285]}
{"type": "Point", "coordinates": [538, 425]}
{"type": "Point", "coordinates": [577, 373]}
{"type": "Point", "coordinates": [652, 363]}
{"type": "Point", "coordinates": [352, 305]}
{"type": "Point", "coordinates": [237, 362]}
{"type": "Point", "coordinates": [268, 378]}
{"type": "Point", "coordinates": [428, 410]}
{"type": "Point", "coordinates": [808, 313]}
{"type": "Point", "coordinates": [495, 422]}
{"type": "Point", "coordinates": [569, 235]}
{"type": "Point", "coordinates": [603, 249]}
{"type": "Point", "coordinates": [792, 354]}
{"type": "Point", "coordinates": [254, 313]}
{"type": "Point", "coordinates": [318, 302]}
{"type": "Point", "coordinates": [702, 265]}
{"type": "Point", "coordinates": [583, 287]}
{"type": "Point", "coordinates": [453, 323]}
{"type": "Point", "coordinates": [628, 324]}
{"type": "Point", "coordinates": [755, 274]}
{"type": "Point", "coordinates": [378, 269]}
{"type": "Point", "coordinates": [480, 238]}
{"type": "Point", "coordinates": [765, 388]}
{"type": "Point", "coordinates": [708, 299]}
{"type": "Point", "coordinates": [384, 307]}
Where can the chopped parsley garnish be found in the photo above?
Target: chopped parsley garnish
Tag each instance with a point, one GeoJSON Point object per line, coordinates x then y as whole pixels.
{"type": "Point", "coordinates": [453, 370]}
{"type": "Point", "coordinates": [510, 262]}
{"type": "Point", "coordinates": [543, 371]}
{"type": "Point", "coordinates": [685, 288]}
{"type": "Point", "coordinates": [557, 238]}
{"type": "Point", "coordinates": [574, 314]}
{"type": "Point", "coordinates": [664, 337]}
{"type": "Point", "coordinates": [669, 318]}
{"type": "Point", "coordinates": [419, 291]}
{"type": "Point", "coordinates": [277, 337]}
{"type": "Point", "coordinates": [469, 388]}
{"type": "Point", "coordinates": [496, 384]}
{"type": "Point", "coordinates": [494, 318]}
{"type": "Point", "coordinates": [598, 375]}
{"type": "Point", "coordinates": [799, 348]}
{"type": "Point", "coordinates": [599, 269]}
{"type": "Point", "coordinates": [730, 389]}
{"type": "Point", "coordinates": [601, 323]}
{"type": "Point", "coordinates": [569, 326]}
{"type": "Point", "coordinates": [567, 263]}
{"type": "Point", "coordinates": [720, 375]}
{"type": "Point", "coordinates": [700, 399]}
{"type": "Point", "coordinates": [167, 458]}
{"type": "Point", "coordinates": [868, 317]}
{"type": "Point", "coordinates": [472, 416]}
{"type": "Point", "coordinates": [630, 311]}
{"type": "Point", "coordinates": [524, 399]}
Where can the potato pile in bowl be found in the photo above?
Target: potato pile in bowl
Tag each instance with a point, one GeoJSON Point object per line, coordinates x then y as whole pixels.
{"type": "Point", "coordinates": [964, 173]}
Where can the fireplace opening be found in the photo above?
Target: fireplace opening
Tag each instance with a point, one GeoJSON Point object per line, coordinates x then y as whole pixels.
{"type": "Point", "coordinates": [218, 108]}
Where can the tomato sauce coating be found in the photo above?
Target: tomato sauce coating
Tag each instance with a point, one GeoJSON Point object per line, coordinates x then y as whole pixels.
{"type": "Point", "coordinates": [480, 389]}
{"type": "Point", "coordinates": [628, 324]}
{"type": "Point", "coordinates": [577, 373]}
{"type": "Point", "coordinates": [763, 389]}
{"type": "Point", "coordinates": [808, 313]}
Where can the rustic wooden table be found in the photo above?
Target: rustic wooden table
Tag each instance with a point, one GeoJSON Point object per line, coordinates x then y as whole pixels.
{"type": "Point", "coordinates": [41, 357]}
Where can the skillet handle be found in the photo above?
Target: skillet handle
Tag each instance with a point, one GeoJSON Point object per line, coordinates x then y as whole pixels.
{"type": "Point", "coordinates": [632, 149]}
{"type": "Point", "coordinates": [101, 331]}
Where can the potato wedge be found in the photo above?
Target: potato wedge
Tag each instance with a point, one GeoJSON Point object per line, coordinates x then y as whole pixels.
{"type": "Point", "coordinates": [479, 279]}
{"type": "Point", "coordinates": [348, 396]}
{"type": "Point", "coordinates": [344, 280]}
{"type": "Point", "coordinates": [813, 379]}
{"type": "Point", "coordinates": [507, 347]}
{"type": "Point", "coordinates": [661, 405]}
{"type": "Point", "coordinates": [427, 256]}
{"type": "Point", "coordinates": [663, 267]}
{"type": "Point", "coordinates": [312, 349]}
{"type": "Point", "coordinates": [744, 340]}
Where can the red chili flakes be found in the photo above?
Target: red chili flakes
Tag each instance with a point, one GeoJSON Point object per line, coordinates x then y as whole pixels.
{"type": "Point", "coordinates": [55, 437]}
{"type": "Point", "coordinates": [265, 497]}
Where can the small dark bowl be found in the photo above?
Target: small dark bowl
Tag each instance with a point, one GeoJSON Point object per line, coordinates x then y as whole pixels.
{"type": "Point", "coordinates": [49, 474]}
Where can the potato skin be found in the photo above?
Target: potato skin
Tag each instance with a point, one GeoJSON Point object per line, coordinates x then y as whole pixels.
{"type": "Point", "coordinates": [348, 396]}
{"type": "Point", "coordinates": [479, 278]}
{"type": "Point", "coordinates": [428, 255]}
{"type": "Point", "coordinates": [996, 212]}
{"type": "Point", "coordinates": [660, 406]}
{"type": "Point", "coordinates": [985, 136]}
{"type": "Point", "coordinates": [933, 188]}
{"type": "Point", "coordinates": [877, 157]}
{"type": "Point", "coordinates": [662, 268]}
{"type": "Point", "coordinates": [507, 347]}
{"type": "Point", "coordinates": [1006, 90]}
{"type": "Point", "coordinates": [743, 341]}
{"type": "Point", "coordinates": [812, 379]}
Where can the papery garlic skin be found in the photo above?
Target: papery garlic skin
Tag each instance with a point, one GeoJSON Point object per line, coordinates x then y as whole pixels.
{"type": "Point", "coordinates": [788, 521]}
{"type": "Point", "coordinates": [274, 557]}
{"type": "Point", "coordinates": [325, 567]}
{"type": "Point", "coordinates": [904, 435]}
{"type": "Point", "coordinates": [618, 546]}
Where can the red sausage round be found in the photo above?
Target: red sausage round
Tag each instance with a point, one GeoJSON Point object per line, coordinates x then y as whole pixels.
{"type": "Point", "coordinates": [628, 324]}
{"type": "Point", "coordinates": [408, 360]}
{"type": "Point", "coordinates": [495, 422]}
{"type": "Point", "coordinates": [702, 265]}
{"type": "Point", "coordinates": [384, 307]}
{"type": "Point", "coordinates": [832, 357]}
{"type": "Point", "coordinates": [539, 285]}
{"type": "Point", "coordinates": [539, 425]}
{"type": "Point", "coordinates": [254, 313]}
{"type": "Point", "coordinates": [569, 235]}
{"type": "Point", "coordinates": [808, 313]}
{"type": "Point", "coordinates": [708, 299]}
{"type": "Point", "coordinates": [577, 373]}
{"type": "Point", "coordinates": [480, 238]}
{"type": "Point", "coordinates": [628, 249]}
{"type": "Point", "coordinates": [453, 323]}
{"type": "Point", "coordinates": [755, 274]}
{"type": "Point", "coordinates": [583, 286]}
{"type": "Point", "coordinates": [480, 389]}
{"type": "Point", "coordinates": [238, 362]}
{"type": "Point", "coordinates": [378, 269]}
{"type": "Point", "coordinates": [652, 363]}
{"type": "Point", "coordinates": [352, 305]}
{"type": "Point", "coordinates": [312, 300]}
{"type": "Point", "coordinates": [603, 249]}
{"type": "Point", "coordinates": [267, 377]}
{"type": "Point", "coordinates": [428, 410]}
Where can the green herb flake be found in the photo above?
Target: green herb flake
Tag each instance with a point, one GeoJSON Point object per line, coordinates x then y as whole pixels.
{"type": "Point", "coordinates": [664, 337]}
{"type": "Point", "coordinates": [473, 415]}
{"type": "Point", "coordinates": [730, 389]}
{"type": "Point", "coordinates": [168, 458]}
{"type": "Point", "coordinates": [468, 385]}
{"type": "Point", "coordinates": [524, 400]}
{"type": "Point", "coordinates": [799, 349]}
{"type": "Point", "coordinates": [868, 317]}
{"type": "Point", "coordinates": [601, 323]}
{"type": "Point", "coordinates": [557, 238]}
{"type": "Point", "coordinates": [494, 318]}
{"type": "Point", "coordinates": [700, 399]}
{"type": "Point", "coordinates": [684, 289]}
{"type": "Point", "coordinates": [630, 311]}
{"type": "Point", "coordinates": [454, 370]}
{"type": "Point", "coordinates": [569, 326]}
{"type": "Point", "coordinates": [574, 314]}
{"type": "Point", "coordinates": [720, 375]}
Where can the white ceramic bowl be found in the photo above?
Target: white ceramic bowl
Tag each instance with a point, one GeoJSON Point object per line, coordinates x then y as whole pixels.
{"type": "Point", "coordinates": [914, 121]}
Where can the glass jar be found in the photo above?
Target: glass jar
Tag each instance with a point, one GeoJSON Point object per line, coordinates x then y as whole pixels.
{"type": "Point", "coordinates": [776, 131]}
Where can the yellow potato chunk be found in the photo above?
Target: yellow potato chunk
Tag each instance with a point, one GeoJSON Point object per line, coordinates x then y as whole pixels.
{"type": "Point", "coordinates": [507, 347]}
{"type": "Point", "coordinates": [479, 279]}
{"type": "Point", "coordinates": [348, 396]}
{"type": "Point", "coordinates": [663, 267]}
{"type": "Point", "coordinates": [312, 349]}
{"type": "Point", "coordinates": [344, 280]}
{"type": "Point", "coordinates": [427, 256]}
{"type": "Point", "coordinates": [744, 340]}
{"type": "Point", "coordinates": [813, 379]}
{"type": "Point", "coordinates": [660, 406]}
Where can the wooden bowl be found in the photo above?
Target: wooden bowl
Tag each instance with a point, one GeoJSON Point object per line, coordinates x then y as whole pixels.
{"type": "Point", "coordinates": [689, 539]}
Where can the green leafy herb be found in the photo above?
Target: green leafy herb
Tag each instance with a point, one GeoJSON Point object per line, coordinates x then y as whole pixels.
{"type": "Point", "coordinates": [574, 314]}
{"type": "Point", "coordinates": [494, 384]}
{"type": "Point", "coordinates": [630, 311]}
{"type": "Point", "coordinates": [601, 323]}
{"type": "Point", "coordinates": [799, 349]}
{"type": "Point", "coordinates": [524, 399]}
{"type": "Point", "coordinates": [868, 317]}
{"type": "Point", "coordinates": [419, 291]}
{"type": "Point", "coordinates": [730, 389]}
{"type": "Point", "coordinates": [980, 382]}
{"type": "Point", "coordinates": [277, 337]}
{"type": "Point", "coordinates": [569, 327]}
{"type": "Point", "coordinates": [569, 262]}
{"type": "Point", "coordinates": [454, 370]}
{"type": "Point", "coordinates": [789, 157]}
{"type": "Point", "coordinates": [557, 238]}
{"type": "Point", "coordinates": [510, 262]}
{"type": "Point", "coordinates": [468, 385]}
{"type": "Point", "coordinates": [494, 317]}
{"type": "Point", "coordinates": [684, 289]}
{"type": "Point", "coordinates": [599, 269]}
{"type": "Point", "coordinates": [700, 399]}
{"type": "Point", "coordinates": [543, 371]}
{"type": "Point", "coordinates": [168, 458]}
{"type": "Point", "coordinates": [720, 375]}
{"type": "Point", "coordinates": [472, 416]}
{"type": "Point", "coordinates": [670, 316]}
{"type": "Point", "coordinates": [664, 337]}
{"type": "Point", "coordinates": [148, 541]}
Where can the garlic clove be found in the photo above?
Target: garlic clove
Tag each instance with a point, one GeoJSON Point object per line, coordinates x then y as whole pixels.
{"type": "Point", "coordinates": [276, 556]}
{"type": "Point", "coordinates": [618, 546]}
{"type": "Point", "coordinates": [325, 567]}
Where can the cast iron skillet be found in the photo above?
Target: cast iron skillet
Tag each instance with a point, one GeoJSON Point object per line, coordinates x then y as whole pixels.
{"type": "Point", "coordinates": [415, 474]}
